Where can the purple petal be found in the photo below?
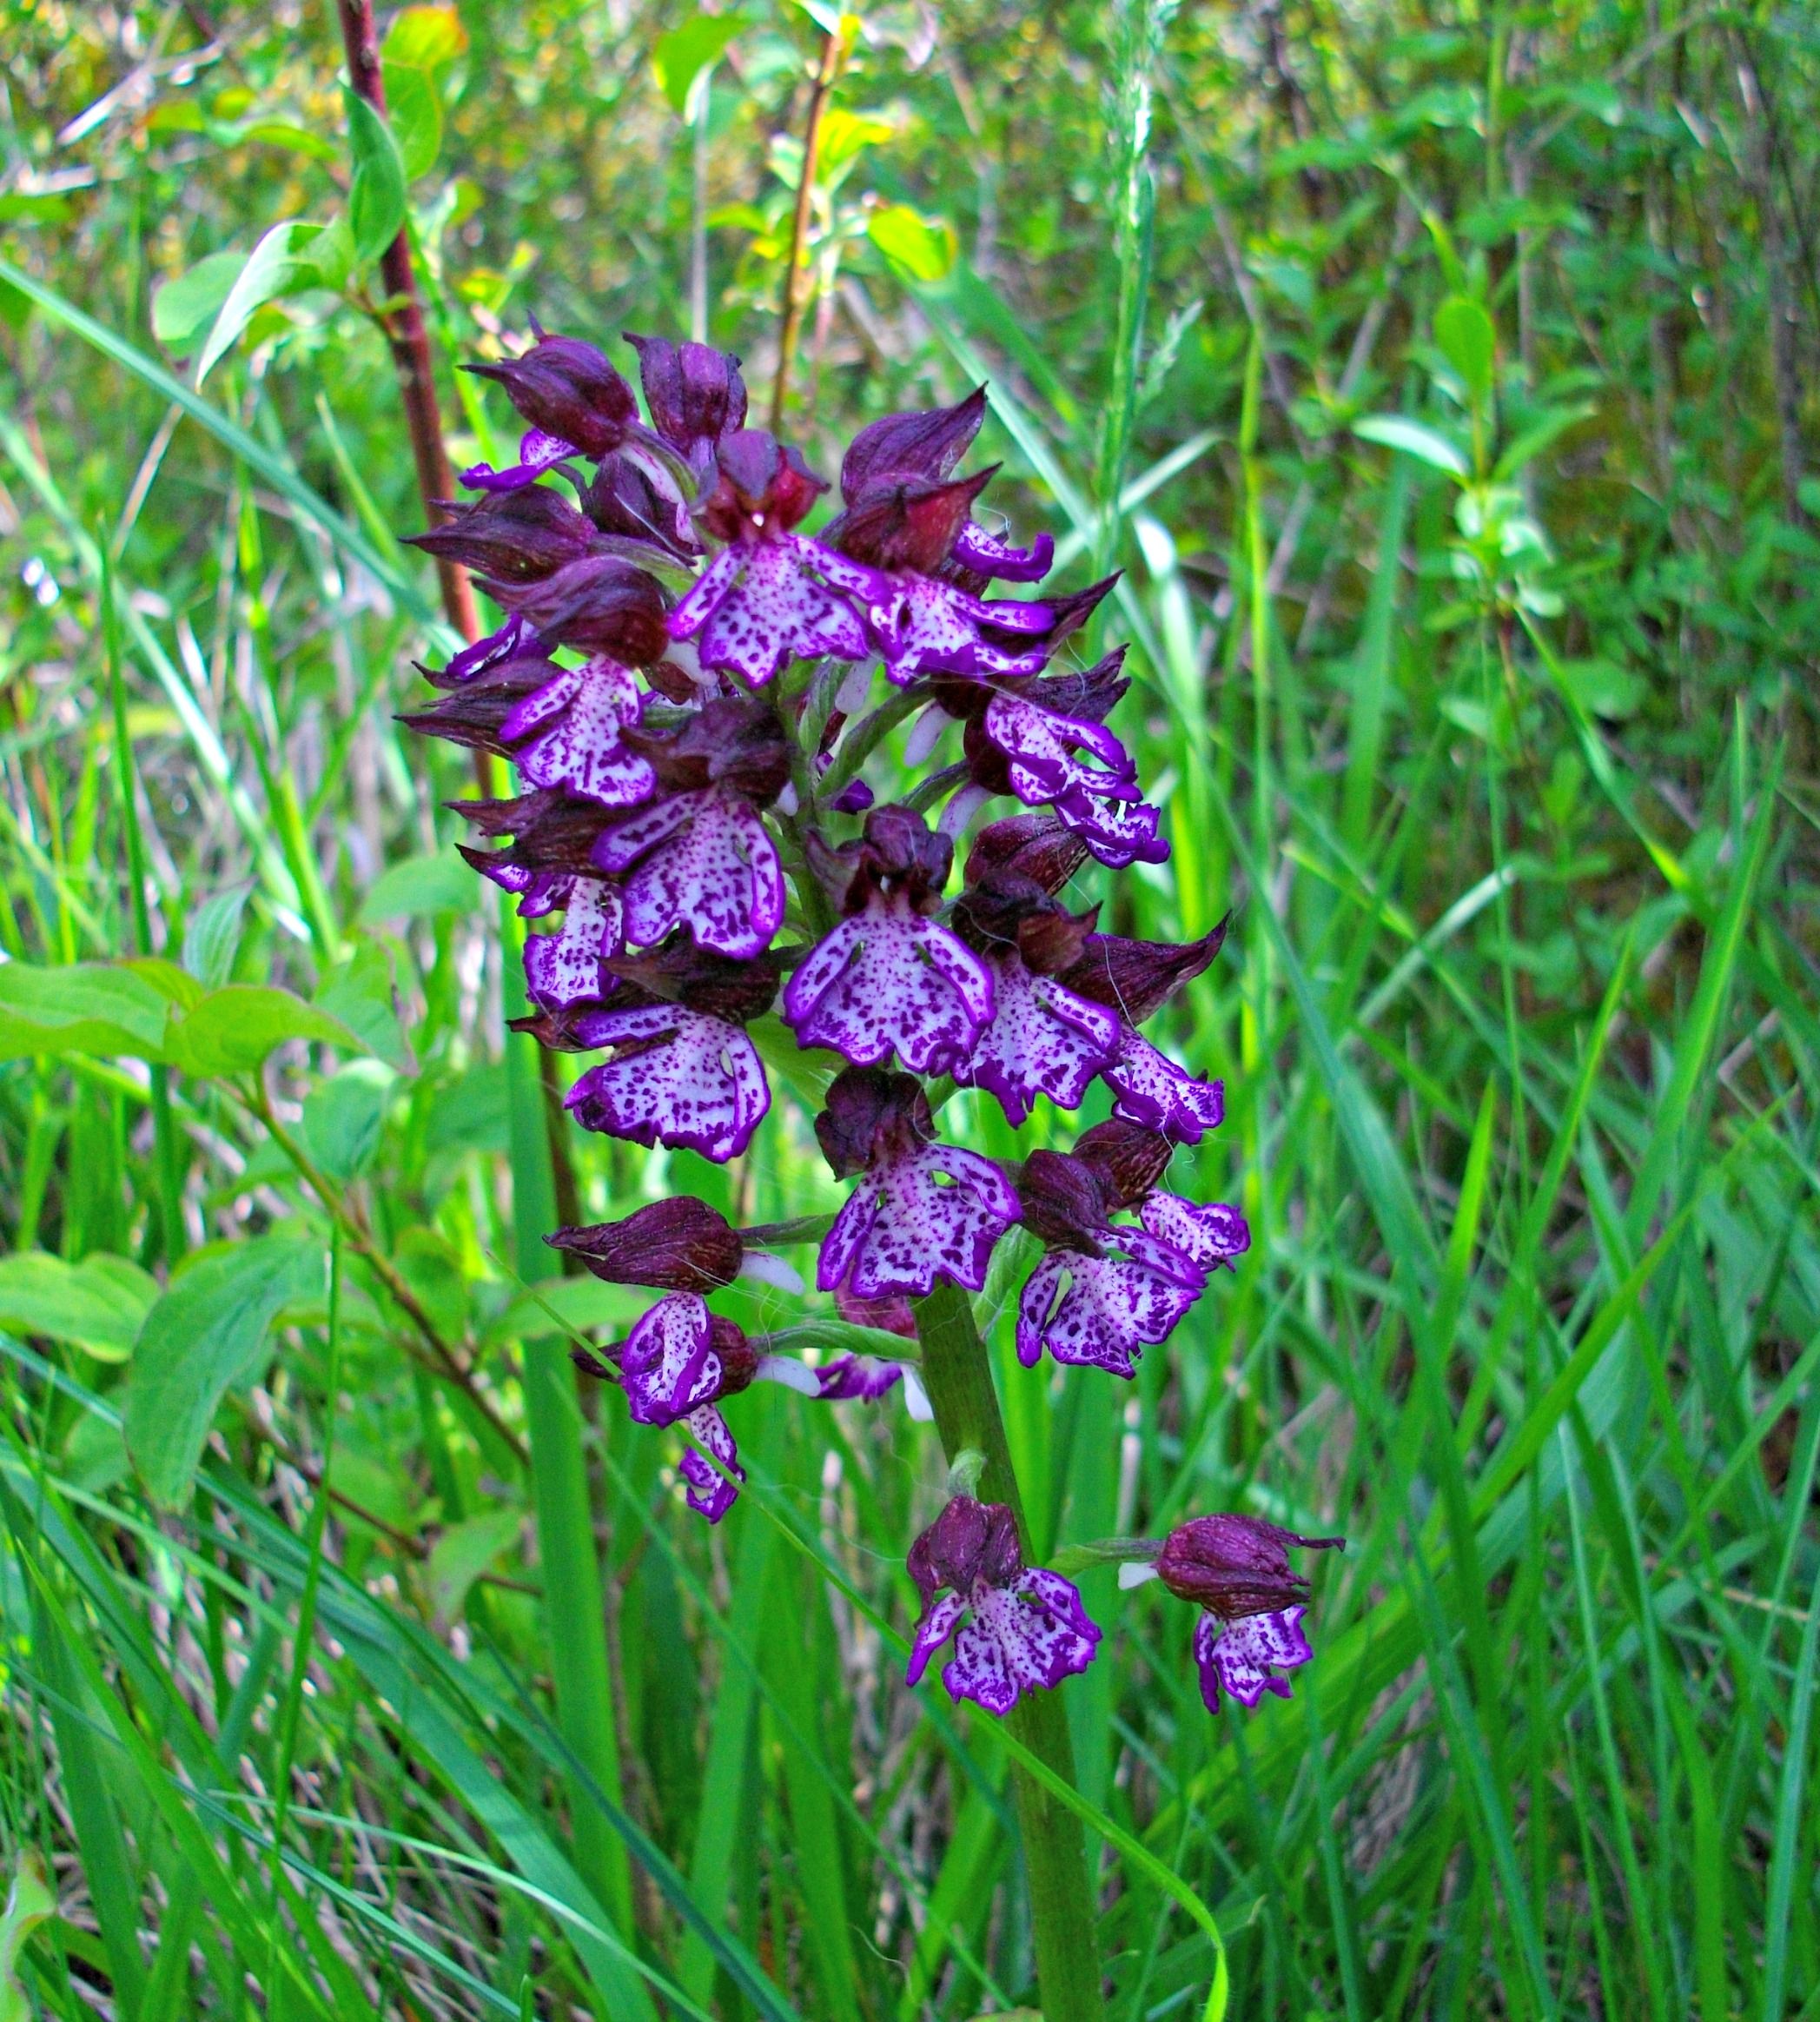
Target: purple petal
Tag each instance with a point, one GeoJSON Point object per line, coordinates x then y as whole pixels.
{"type": "Point", "coordinates": [891, 981]}
{"type": "Point", "coordinates": [668, 1364]}
{"type": "Point", "coordinates": [683, 1079]}
{"type": "Point", "coordinates": [576, 719]}
{"type": "Point", "coordinates": [922, 626]}
{"type": "Point", "coordinates": [932, 1631]}
{"type": "Point", "coordinates": [1101, 1312]}
{"type": "Point", "coordinates": [564, 967]}
{"type": "Point", "coordinates": [772, 601]}
{"type": "Point", "coordinates": [703, 860]}
{"type": "Point", "coordinates": [1043, 1039]}
{"type": "Point", "coordinates": [514, 636]}
{"type": "Point", "coordinates": [864, 1378]}
{"type": "Point", "coordinates": [1023, 1637]}
{"type": "Point", "coordinates": [1212, 1235]}
{"type": "Point", "coordinates": [709, 1491]}
{"type": "Point", "coordinates": [1154, 1091]}
{"type": "Point", "coordinates": [987, 555]}
{"type": "Point", "coordinates": [1240, 1657]}
{"type": "Point", "coordinates": [937, 1209]}
{"type": "Point", "coordinates": [1119, 832]}
{"type": "Point", "coordinates": [1041, 748]}
{"type": "Point", "coordinates": [537, 452]}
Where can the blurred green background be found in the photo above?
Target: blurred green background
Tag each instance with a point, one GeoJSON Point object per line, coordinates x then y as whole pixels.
{"type": "Point", "coordinates": [1442, 380]}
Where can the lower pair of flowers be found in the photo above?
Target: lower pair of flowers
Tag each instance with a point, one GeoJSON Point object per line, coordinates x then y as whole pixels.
{"type": "Point", "coordinates": [1014, 1628]}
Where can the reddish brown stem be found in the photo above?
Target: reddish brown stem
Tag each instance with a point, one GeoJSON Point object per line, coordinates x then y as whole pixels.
{"type": "Point", "coordinates": [401, 318]}
{"type": "Point", "coordinates": [833, 53]}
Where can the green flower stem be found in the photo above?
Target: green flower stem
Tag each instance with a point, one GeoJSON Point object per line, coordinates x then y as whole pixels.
{"type": "Point", "coordinates": [959, 1381]}
{"type": "Point", "coordinates": [574, 1619]}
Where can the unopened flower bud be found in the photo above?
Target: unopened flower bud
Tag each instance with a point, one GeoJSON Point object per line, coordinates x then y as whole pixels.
{"type": "Point", "coordinates": [1236, 1566]}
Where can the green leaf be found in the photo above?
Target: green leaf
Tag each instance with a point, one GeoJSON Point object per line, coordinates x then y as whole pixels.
{"type": "Point", "coordinates": [343, 1115]}
{"type": "Point", "coordinates": [207, 1332]}
{"type": "Point", "coordinates": [232, 1030]}
{"type": "Point", "coordinates": [212, 938]}
{"type": "Point", "coordinates": [413, 106]}
{"type": "Point", "coordinates": [690, 52]}
{"type": "Point", "coordinates": [419, 887]}
{"type": "Point", "coordinates": [1535, 440]}
{"type": "Point", "coordinates": [99, 1305]}
{"type": "Point", "coordinates": [1602, 688]}
{"type": "Point", "coordinates": [1468, 339]}
{"type": "Point", "coordinates": [1397, 432]}
{"type": "Point", "coordinates": [376, 203]}
{"type": "Point", "coordinates": [275, 265]}
{"type": "Point", "coordinates": [88, 1007]}
{"type": "Point", "coordinates": [925, 249]}
{"type": "Point", "coordinates": [424, 38]}
{"type": "Point", "coordinates": [359, 994]}
{"type": "Point", "coordinates": [184, 307]}
{"type": "Point", "coordinates": [31, 1901]}
{"type": "Point", "coordinates": [462, 1554]}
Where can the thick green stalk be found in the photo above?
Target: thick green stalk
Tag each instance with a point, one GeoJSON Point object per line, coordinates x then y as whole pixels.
{"type": "Point", "coordinates": [575, 1623]}
{"type": "Point", "coordinates": [959, 1381]}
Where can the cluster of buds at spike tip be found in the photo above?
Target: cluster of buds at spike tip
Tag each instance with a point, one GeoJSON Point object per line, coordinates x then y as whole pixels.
{"type": "Point", "coordinates": [694, 838]}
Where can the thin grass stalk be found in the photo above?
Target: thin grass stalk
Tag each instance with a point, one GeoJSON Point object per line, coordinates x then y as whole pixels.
{"type": "Point", "coordinates": [834, 53]}
{"type": "Point", "coordinates": [958, 1378]}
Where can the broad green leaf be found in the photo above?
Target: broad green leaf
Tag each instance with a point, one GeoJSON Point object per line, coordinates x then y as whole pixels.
{"type": "Point", "coordinates": [690, 52]}
{"type": "Point", "coordinates": [413, 110]}
{"type": "Point", "coordinates": [31, 1901]}
{"type": "Point", "coordinates": [360, 996]}
{"type": "Point", "coordinates": [924, 247]}
{"type": "Point", "coordinates": [1397, 432]}
{"type": "Point", "coordinates": [88, 1007]}
{"type": "Point", "coordinates": [276, 265]}
{"type": "Point", "coordinates": [179, 989]}
{"type": "Point", "coordinates": [99, 1305]}
{"type": "Point", "coordinates": [212, 937]}
{"type": "Point", "coordinates": [183, 307]}
{"type": "Point", "coordinates": [1468, 339]}
{"type": "Point", "coordinates": [232, 1030]}
{"type": "Point", "coordinates": [419, 888]}
{"type": "Point", "coordinates": [376, 203]}
{"type": "Point", "coordinates": [424, 38]}
{"type": "Point", "coordinates": [1602, 688]}
{"type": "Point", "coordinates": [343, 1115]}
{"type": "Point", "coordinates": [461, 1555]}
{"type": "Point", "coordinates": [206, 1332]}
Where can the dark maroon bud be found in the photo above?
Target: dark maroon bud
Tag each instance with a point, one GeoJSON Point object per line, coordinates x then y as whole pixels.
{"type": "Point", "coordinates": [678, 1245]}
{"type": "Point", "coordinates": [474, 714]}
{"type": "Point", "coordinates": [1236, 1566]}
{"type": "Point", "coordinates": [869, 1113]}
{"type": "Point", "coordinates": [904, 526]}
{"type": "Point", "coordinates": [1037, 847]}
{"type": "Point", "coordinates": [1127, 1159]}
{"type": "Point", "coordinates": [736, 741]}
{"type": "Point", "coordinates": [896, 853]}
{"type": "Point", "coordinates": [567, 389]}
{"type": "Point", "coordinates": [1064, 1202]}
{"type": "Point", "coordinates": [673, 683]}
{"type": "Point", "coordinates": [514, 537]}
{"type": "Point", "coordinates": [889, 1312]}
{"type": "Point", "coordinates": [967, 1542]}
{"type": "Point", "coordinates": [719, 985]}
{"type": "Point", "coordinates": [591, 1364]}
{"type": "Point", "coordinates": [758, 486]}
{"type": "Point", "coordinates": [599, 604]}
{"type": "Point", "coordinates": [738, 1358]}
{"type": "Point", "coordinates": [1006, 910]}
{"type": "Point", "coordinates": [1089, 694]}
{"type": "Point", "coordinates": [1136, 978]}
{"type": "Point", "coordinates": [551, 831]}
{"type": "Point", "coordinates": [694, 394]}
{"type": "Point", "coordinates": [1072, 612]}
{"type": "Point", "coordinates": [625, 501]}
{"type": "Point", "coordinates": [924, 444]}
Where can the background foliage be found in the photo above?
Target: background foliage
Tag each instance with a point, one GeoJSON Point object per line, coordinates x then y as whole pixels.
{"type": "Point", "coordinates": [1441, 378]}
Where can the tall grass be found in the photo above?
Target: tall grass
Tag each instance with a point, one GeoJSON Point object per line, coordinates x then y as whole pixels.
{"type": "Point", "coordinates": [415, 1692]}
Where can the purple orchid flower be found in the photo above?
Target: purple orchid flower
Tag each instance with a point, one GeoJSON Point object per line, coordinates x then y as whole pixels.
{"type": "Point", "coordinates": [1210, 1235]}
{"type": "Point", "coordinates": [566, 967]}
{"type": "Point", "coordinates": [1237, 1568]}
{"type": "Point", "coordinates": [921, 1209]}
{"type": "Point", "coordinates": [1029, 1631]}
{"type": "Point", "coordinates": [568, 734]}
{"type": "Point", "coordinates": [889, 979]}
{"type": "Point", "coordinates": [704, 860]}
{"type": "Point", "coordinates": [1043, 1039]}
{"type": "Point", "coordinates": [1102, 1291]}
{"type": "Point", "coordinates": [770, 592]}
{"type": "Point", "coordinates": [1152, 1090]}
{"type": "Point", "coordinates": [576, 403]}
